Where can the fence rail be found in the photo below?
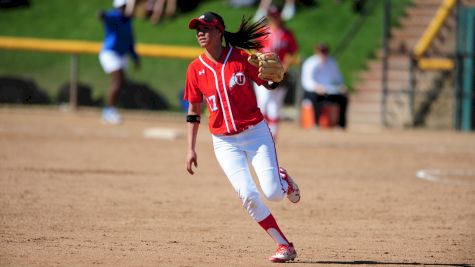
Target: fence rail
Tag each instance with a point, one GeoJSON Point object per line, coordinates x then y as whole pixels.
{"type": "Point", "coordinates": [89, 47]}
{"type": "Point", "coordinates": [76, 47]}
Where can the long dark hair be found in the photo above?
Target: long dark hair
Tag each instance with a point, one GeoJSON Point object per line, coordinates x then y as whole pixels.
{"type": "Point", "coordinates": [249, 34]}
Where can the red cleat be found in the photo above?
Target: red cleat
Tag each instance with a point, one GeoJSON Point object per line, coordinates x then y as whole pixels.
{"type": "Point", "coordinates": [293, 193]}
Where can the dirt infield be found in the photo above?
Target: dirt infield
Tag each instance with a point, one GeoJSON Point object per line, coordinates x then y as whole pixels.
{"type": "Point", "coordinates": [76, 192]}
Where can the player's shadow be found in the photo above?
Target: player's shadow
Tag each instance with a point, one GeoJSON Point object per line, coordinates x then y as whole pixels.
{"type": "Point", "coordinates": [368, 262]}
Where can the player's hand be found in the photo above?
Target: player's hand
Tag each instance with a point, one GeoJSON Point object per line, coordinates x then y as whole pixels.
{"type": "Point", "coordinates": [191, 159]}
{"type": "Point", "coordinates": [343, 89]}
{"type": "Point", "coordinates": [320, 89]}
{"type": "Point", "coordinates": [270, 68]}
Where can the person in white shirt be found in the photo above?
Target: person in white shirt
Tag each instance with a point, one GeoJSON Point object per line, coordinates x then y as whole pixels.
{"type": "Point", "coordinates": [322, 82]}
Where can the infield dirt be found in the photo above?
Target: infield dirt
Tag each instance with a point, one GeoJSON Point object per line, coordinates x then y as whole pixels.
{"type": "Point", "coordinates": [76, 192]}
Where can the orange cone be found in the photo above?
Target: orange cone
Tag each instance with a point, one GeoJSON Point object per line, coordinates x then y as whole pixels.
{"type": "Point", "coordinates": [307, 116]}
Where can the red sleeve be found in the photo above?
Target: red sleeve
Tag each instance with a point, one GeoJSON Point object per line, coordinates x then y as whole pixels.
{"type": "Point", "coordinates": [192, 91]}
{"type": "Point", "coordinates": [252, 70]}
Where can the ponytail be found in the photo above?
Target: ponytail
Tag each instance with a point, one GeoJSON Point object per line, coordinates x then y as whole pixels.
{"type": "Point", "coordinates": [249, 34]}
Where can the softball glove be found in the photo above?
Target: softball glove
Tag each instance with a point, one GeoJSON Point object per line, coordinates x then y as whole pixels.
{"type": "Point", "coordinates": [270, 68]}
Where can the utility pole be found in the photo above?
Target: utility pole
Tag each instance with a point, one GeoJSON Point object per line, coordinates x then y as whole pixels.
{"type": "Point", "coordinates": [384, 80]}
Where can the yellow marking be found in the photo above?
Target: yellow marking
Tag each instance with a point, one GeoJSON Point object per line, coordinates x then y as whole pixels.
{"type": "Point", "coordinates": [436, 64]}
{"type": "Point", "coordinates": [88, 47]}
{"type": "Point", "coordinates": [434, 27]}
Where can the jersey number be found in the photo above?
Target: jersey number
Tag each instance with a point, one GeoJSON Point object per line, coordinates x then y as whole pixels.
{"type": "Point", "coordinates": [212, 103]}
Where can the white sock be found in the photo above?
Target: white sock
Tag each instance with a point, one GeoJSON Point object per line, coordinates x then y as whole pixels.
{"type": "Point", "coordinates": [277, 236]}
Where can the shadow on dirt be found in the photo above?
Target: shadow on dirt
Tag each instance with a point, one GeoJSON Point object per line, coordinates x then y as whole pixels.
{"type": "Point", "coordinates": [385, 263]}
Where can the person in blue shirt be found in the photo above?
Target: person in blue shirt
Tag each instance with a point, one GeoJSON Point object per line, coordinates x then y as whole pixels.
{"type": "Point", "coordinates": [322, 82]}
{"type": "Point", "coordinates": [117, 46]}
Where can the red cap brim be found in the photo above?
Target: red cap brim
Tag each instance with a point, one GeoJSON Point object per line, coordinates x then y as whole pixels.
{"type": "Point", "coordinates": [193, 24]}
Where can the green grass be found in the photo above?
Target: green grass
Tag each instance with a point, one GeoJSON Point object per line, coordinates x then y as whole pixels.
{"type": "Point", "coordinates": [76, 19]}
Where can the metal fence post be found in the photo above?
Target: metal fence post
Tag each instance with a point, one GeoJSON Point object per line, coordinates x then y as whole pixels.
{"type": "Point", "coordinates": [458, 67]}
{"type": "Point", "coordinates": [299, 91]}
{"type": "Point", "coordinates": [412, 88]}
{"type": "Point", "coordinates": [73, 86]}
{"type": "Point", "coordinates": [384, 80]}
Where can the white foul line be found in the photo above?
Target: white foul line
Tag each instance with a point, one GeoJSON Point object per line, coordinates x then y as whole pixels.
{"type": "Point", "coordinates": [441, 176]}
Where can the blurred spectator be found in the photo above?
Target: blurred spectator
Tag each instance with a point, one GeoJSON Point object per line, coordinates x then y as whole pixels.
{"type": "Point", "coordinates": [282, 42]}
{"type": "Point", "coordinates": [287, 13]}
{"type": "Point", "coordinates": [187, 5]}
{"type": "Point", "coordinates": [118, 43]}
{"type": "Point", "coordinates": [242, 3]}
{"type": "Point", "coordinates": [160, 8]}
{"type": "Point", "coordinates": [322, 81]}
{"type": "Point", "coordinates": [14, 3]}
{"type": "Point", "coordinates": [359, 6]}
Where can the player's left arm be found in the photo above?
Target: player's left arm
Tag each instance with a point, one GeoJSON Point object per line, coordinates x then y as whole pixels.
{"type": "Point", "coordinates": [340, 81]}
{"type": "Point", "coordinates": [270, 68]}
{"type": "Point", "coordinates": [132, 50]}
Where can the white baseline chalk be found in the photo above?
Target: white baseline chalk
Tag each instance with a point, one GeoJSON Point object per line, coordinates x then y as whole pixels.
{"type": "Point", "coordinates": [447, 176]}
{"type": "Point", "coordinates": [162, 133]}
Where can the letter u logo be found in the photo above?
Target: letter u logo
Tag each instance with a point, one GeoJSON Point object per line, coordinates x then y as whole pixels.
{"type": "Point", "coordinates": [240, 78]}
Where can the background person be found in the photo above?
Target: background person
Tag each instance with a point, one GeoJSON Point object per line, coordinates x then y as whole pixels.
{"type": "Point", "coordinates": [222, 76]}
{"type": "Point", "coordinates": [160, 8]}
{"type": "Point", "coordinates": [118, 44]}
{"type": "Point", "coordinates": [282, 42]}
{"type": "Point", "coordinates": [322, 81]}
{"type": "Point", "coordinates": [287, 13]}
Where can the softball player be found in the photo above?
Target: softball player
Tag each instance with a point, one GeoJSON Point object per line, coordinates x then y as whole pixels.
{"type": "Point", "coordinates": [281, 41]}
{"type": "Point", "coordinates": [118, 44]}
{"type": "Point", "coordinates": [222, 77]}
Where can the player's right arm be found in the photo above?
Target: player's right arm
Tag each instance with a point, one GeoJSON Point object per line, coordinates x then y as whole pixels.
{"type": "Point", "coordinates": [194, 109]}
{"type": "Point", "coordinates": [194, 97]}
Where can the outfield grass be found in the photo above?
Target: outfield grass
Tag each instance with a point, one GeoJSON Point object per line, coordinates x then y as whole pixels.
{"type": "Point", "coordinates": [76, 19]}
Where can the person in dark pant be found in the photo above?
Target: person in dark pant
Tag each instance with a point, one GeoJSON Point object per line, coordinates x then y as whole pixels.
{"type": "Point", "coordinates": [322, 82]}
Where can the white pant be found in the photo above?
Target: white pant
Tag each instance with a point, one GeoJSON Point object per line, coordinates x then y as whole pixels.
{"type": "Point", "coordinates": [270, 103]}
{"type": "Point", "coordinates": [111, 61]}
{"type": "Point", "coordinates": [256, 145]}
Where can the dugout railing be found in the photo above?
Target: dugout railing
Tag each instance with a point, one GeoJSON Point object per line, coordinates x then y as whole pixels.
{"type": "Point", "coordinates": [431, 63]}
{"type": "Point", "coordinates": [435, 70]}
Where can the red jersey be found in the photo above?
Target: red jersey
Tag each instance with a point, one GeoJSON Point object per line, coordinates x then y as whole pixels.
{"type": "Point", "coordinates": [280, 41]}
{"type": "Point", "coordinates": [227, 88]}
